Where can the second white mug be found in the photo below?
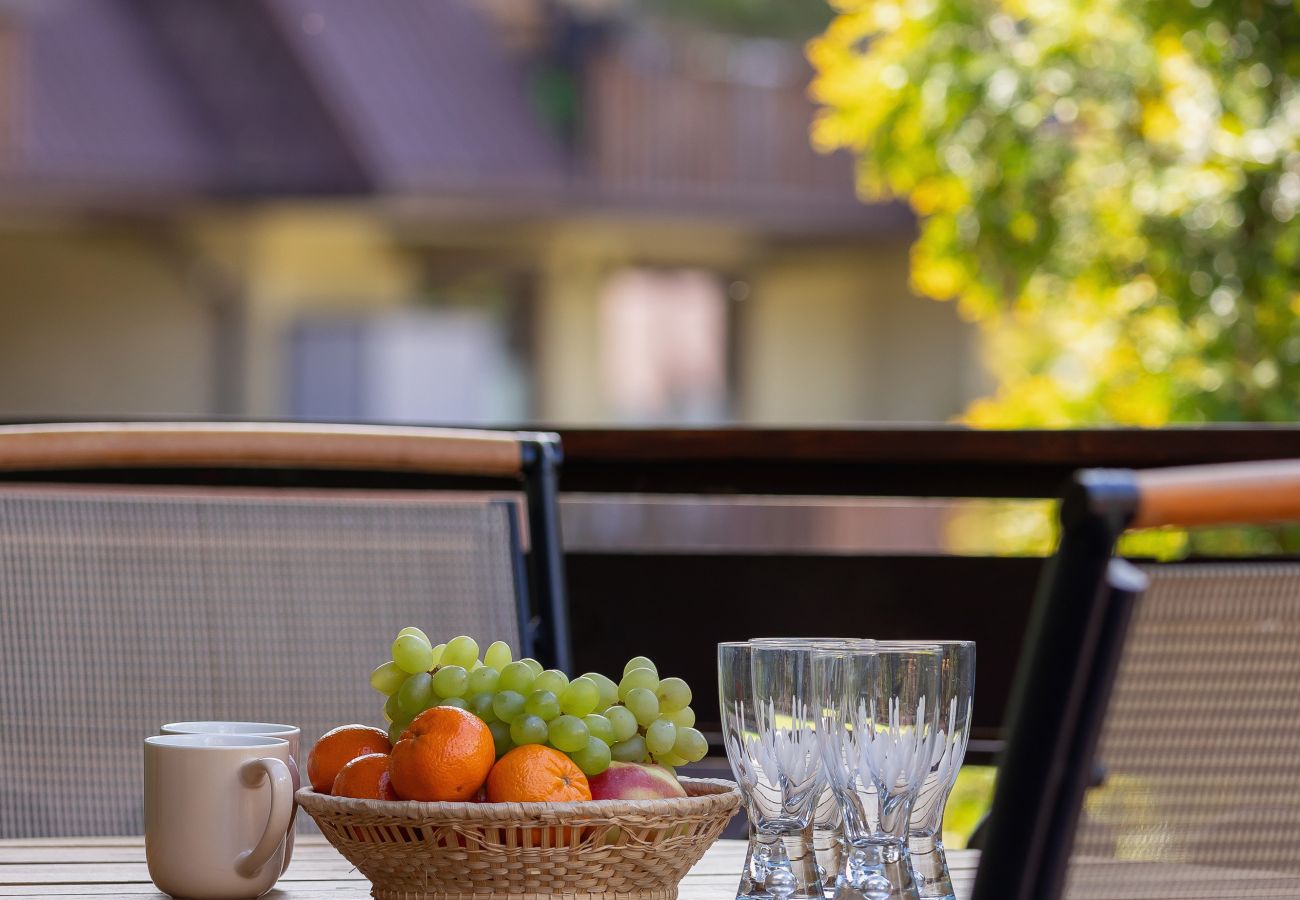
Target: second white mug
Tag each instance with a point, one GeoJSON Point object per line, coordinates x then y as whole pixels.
{"type": "Point", "coordinates": [290, 733]}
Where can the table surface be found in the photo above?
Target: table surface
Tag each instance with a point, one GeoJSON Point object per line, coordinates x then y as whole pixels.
{"type": "Point", "coordinates": [115, 867]}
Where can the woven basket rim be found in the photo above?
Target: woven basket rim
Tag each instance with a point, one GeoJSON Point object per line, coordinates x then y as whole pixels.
{"type": "Point", "coordinates": [703, 795]}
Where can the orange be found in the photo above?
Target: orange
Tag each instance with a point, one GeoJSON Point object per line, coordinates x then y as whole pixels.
{"type": "Point", "coordinates": [536, 773]}
{"type": "Point", "coordinates": [366, 778]}
{"type": "Point", "coordinates": [445, 754]}
{"type": "Point", "coordinates": [338, 747]}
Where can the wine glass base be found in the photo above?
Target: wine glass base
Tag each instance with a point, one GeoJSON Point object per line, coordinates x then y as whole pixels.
{"type": "Point", "coordinates": [876, 871]}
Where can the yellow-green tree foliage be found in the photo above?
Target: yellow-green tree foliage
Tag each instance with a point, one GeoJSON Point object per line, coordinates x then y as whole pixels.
{"type": "Point", "coordinates": [1110, 188]}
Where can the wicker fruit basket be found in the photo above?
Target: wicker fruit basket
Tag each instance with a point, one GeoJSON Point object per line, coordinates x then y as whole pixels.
{"type": "Point", "coordinates": [519, 851]}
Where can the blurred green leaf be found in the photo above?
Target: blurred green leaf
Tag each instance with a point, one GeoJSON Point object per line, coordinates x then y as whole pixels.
{"type": "Point", "coordinates": [1110, 189]}
{"type": "Point", "coordinates": [968, 803]}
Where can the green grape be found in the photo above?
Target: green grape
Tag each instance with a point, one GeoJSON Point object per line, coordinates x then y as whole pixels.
{"type": "Point", "coordinates": [690, 745]}
{"type": "Point", "coordinates": [543, 704]}
{"type": "Point", "coordinates": [637, 678]}
{"type": "Point", "coordinates": [461, 650]}
{"type": "Point", "coordinates": [478, 664]}
{"type": "Point", "coordinates": [580, 697]}
{"type": "Point", "coordinates": [608, 689]}
{"type": "Point", "coordinates": [643, 704]}
{"type": "Point", "coordinates": [528, 730]}
{"type": "Point", "coordinates": [387, 678]}
{"type": "Point", "coordinates": [640, 662]}
{"type": "Point", "coordinates": [552, 680]}
{"type": "Point", "coordinates": [396, 728]}
{"type": "Point", "coordinates": [674, 693]}
{"type": "Point", "coordinates": [458, 702]}
{"type": "Point", "coordinates": [622, 721]}
{"type": "Point", "coordinates": [412, 654]}
{"type": "Point", "coordinates": [682, 718]}
{"type": "Point", "coordinates": [671, 760]}
{"type": "Point", "coordinates": [508, 705]}
{"type": "Point", "coordinates": [393, 709]}
{"type": "Point", "coordinates": [631, 750]}
{"type": "Point", "coordinates": [501, 738]}
{"type": "Point", "coordinates": [568, 733]}
{"type": "Point", "coordinates": [414, 694]}
{"type": "Point", "coordinates": [599, 727]}
{"type": "Point", "coordinates": [450, 681]}
{"type": "Point", "coordinates": [484, 679]}
{"type": "Point", "coordinates": [660, 736]}
{"type": "Point", "coordinates": [532, 664]}
{"type": "Point", "coordinates": [497, 655]}
{"type": "Point", "coordinates": [437, 654]}
{"type": "Point", "coordinates": [411, 629]}
{"type": "Point", "coordinates": [593, 758]}
{"type": "Point", "coordinates": [517, 677]}
{"type": "Point", "coordinates": [481, 705]}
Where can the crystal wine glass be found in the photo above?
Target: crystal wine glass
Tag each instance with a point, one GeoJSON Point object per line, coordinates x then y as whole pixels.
{"type": "Point", "coordinates": [828, 827]}
{"type": "Point", "coordinates": [953, 719]}
{"type": "Point", "coordinates": [877, 737]}
{"type": "Point", "coordinates": [770, 733]}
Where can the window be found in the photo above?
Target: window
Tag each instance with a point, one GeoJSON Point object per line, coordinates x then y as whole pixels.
{"type": "Point", "coordinates": [450, 366]}
{"type": "Point", "coordinates": [664, 343]}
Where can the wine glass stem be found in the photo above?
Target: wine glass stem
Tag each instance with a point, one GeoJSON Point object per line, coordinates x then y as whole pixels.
{"type": "Point", "coordinates": [930, 865]}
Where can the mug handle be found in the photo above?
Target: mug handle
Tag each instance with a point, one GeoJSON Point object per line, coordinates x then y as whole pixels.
{"type": "Point", "coordinates": [277, 824]}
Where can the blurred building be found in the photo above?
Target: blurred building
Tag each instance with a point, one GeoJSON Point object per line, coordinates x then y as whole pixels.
{"type": "Point", "coordinates": [445, 210]}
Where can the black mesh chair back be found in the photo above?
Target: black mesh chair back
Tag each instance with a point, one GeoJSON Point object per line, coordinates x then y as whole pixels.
{"type": "Point", "coordinates": [1198, 761]}
{"type": "Point", "coordinates": [1154, 747]}
{"type": "Point", "coordinates": [127, 606]}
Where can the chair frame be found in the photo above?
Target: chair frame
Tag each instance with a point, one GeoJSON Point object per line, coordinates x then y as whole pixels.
{"type": "Point", "coordinates": [266, 454]}
{"type": "Point", "coordinates": [1073, 646]}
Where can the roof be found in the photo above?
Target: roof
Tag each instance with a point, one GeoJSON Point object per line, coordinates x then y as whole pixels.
{"type": "Point", "coordinates": [410, 99]}
{"type": "Point", "coordinates": [426, 97]}
{"type": "Point", "coordinates": [95, 101]}
{"type": "Point", "coordinates": [252, 96]}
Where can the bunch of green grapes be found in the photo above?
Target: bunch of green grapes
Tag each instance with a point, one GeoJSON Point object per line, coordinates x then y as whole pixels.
{"type": "Point", "coordinates": [654, 717]}
{"type": "Point", "coordinates": [643, 719]}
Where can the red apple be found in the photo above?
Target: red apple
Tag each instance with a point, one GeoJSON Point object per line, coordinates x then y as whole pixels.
{"type": "Point", "coordinates": [634, 781]}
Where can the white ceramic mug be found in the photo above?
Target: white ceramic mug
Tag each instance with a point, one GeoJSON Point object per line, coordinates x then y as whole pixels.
{"type": "Point", "coordinates": [217, 808]}
{"type": "Point", "coordinates": [290, 733]}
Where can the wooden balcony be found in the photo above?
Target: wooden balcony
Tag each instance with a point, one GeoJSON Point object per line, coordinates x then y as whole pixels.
{"type": "Point", "coordinates": [711, 124]}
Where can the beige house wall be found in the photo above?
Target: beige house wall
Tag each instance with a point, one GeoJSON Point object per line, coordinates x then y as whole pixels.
{"type": "Point", "coordinates": [99, 321]}
{"type": "Point", "coordinates": [111, 319]}
{"type": "Point", "coordinates": [104, 318]}
{"type": "Point", "coordinates": [834, 335]}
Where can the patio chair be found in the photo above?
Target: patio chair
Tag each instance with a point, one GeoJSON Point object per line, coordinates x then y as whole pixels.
{"type": "Point", "coordinates": [252, 572]}
{"type": "Point", "coordinates": [1154, 745]}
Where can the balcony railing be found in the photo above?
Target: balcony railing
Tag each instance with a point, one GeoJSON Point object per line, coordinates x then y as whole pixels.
{"type": "Point", "coordinates": [683, 538]}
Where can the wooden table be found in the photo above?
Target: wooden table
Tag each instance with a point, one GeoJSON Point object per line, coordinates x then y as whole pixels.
{"type": "Point", "coordinates": [115, 867]}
